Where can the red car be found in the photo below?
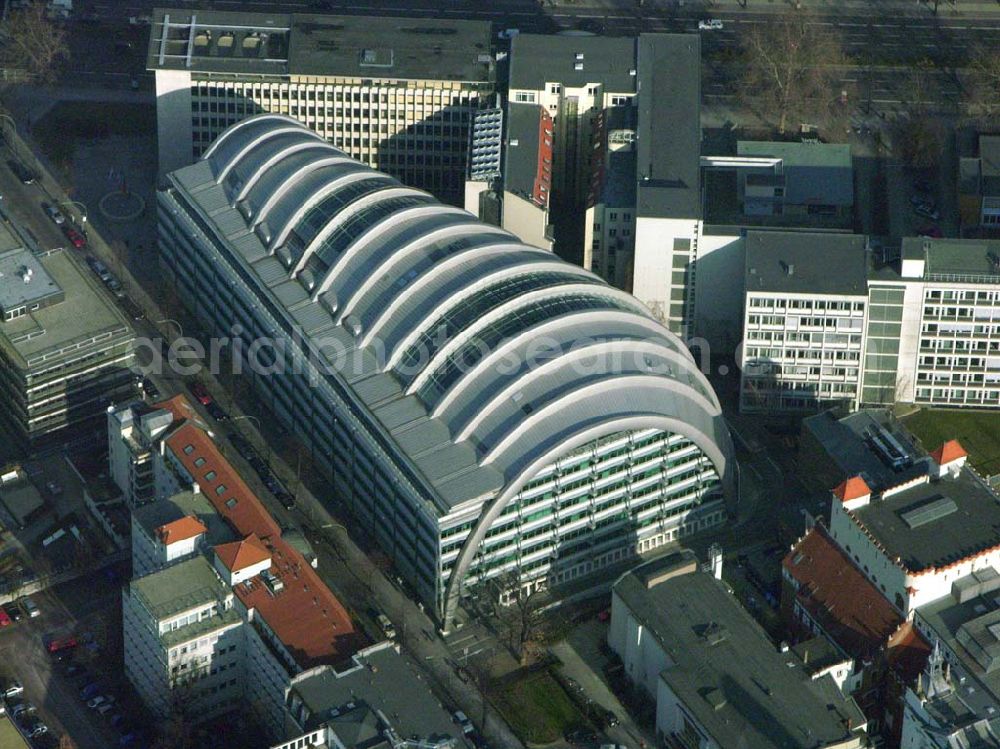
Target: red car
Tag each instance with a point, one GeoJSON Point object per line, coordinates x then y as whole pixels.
{"type": "Point", "coordinates": [4, 619]}
{"type": "Point", "coordinates": [75, 237]}
{"type": "Point", "coordinates": [200, 392]}
{"type": "Point", "coordinates": [65, 643]}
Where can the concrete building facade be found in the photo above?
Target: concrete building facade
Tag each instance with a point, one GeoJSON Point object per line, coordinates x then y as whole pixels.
{"type": "Point", "coordinates": [396, 94]}
{"type": "Point", "coordinates": [928, 318]}
{"type": "Point", "coordinates": [464, 471]}
{"type": "Point", "coordinates": [223, 611]}
{"type": "Point", "coordinates": [65, 350]}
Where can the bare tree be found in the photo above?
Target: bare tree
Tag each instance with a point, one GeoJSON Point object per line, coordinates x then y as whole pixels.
{"type": "Point", "coordinates": [917, 140]}
{"type": "Point", "coordinates": [791, 67]}
{"type": "Point", "coordinates": [982, 82]}
{"type": "Point", "coordinates": [33, 43]}
{"type": "Point", "coordinates": [517, 611]}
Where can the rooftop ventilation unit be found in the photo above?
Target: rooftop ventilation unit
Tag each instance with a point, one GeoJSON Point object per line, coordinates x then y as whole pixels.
{"type": "Point", "coordinates": [274, 584]}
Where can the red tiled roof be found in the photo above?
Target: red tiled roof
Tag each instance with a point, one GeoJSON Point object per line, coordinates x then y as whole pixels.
{"type": "Point", "coordinates": [852, 488]}
{"type": "Point", "coordinates": [239, 555]}
{"type": "Point", "coordinates": [949, 451]}
{"type": "Point", "coordinates": [179, 406]}
{"type": "Point", "coordinates": [308, 619]}
{"type": "Point", "coordinates": [180, 530]}
{"type": "Point", "coordinates": [839, 597]}
{"type": "Point", "coordinates": [908, 651]}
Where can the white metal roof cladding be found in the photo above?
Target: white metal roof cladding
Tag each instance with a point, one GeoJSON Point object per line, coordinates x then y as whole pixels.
{"type": "Point", "coordinates": [491, 357]}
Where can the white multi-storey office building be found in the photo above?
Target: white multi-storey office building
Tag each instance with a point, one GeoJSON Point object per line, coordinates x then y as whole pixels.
{"type": "Point", "coordinates": [410, 353]}
{"type": "Point", "coordinates": [827, 319]}
{"type": "Point", "coordinates": [398, 94]}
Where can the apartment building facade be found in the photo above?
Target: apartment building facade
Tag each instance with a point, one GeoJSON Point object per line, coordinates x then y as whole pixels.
{"type": "Point", "coordinates": [625, 197]}
{"type": "Point", "coordinates": [223, 611]}
{"type": "Point", "coordinates": [511, 491]}
{"type": "Point", "coordinates": [65, 350]}
{"type": "Point", "coordinates": [923, 327]}
{"type": "Point", "coordinates": [396, 94]}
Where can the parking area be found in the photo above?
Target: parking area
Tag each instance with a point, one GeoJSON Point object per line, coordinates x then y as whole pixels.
{"type": "Point", "coordinates": [60, 669]}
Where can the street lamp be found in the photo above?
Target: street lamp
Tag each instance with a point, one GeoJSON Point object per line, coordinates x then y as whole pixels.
{"type": "Point", "coordinates": [80, 207]}
{"type": "Point", "coordinates": [260, 433]}
{"type": "Point", "coordinates": [180, 328]}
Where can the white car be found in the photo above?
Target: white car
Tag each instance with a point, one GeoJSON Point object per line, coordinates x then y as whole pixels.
{"type": "Point", "coordinates": [13, 690]}
{"type": "Point", "coordinates": [712, 24]}
{"type": "Point", "coordinates": [463, 722]}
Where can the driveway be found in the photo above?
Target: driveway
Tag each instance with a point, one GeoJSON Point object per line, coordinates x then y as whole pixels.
{"type": "Point", "coordinates": [582, 660]}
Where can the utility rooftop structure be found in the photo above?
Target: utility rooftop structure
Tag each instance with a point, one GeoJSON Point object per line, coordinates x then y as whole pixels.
{"type": "Point", "coordinates": [397, 93]}
{"type": "Point", "coordinates": [65, 350]}
{"type": "Point", "coordinates": [717, 678]}
{"type": "Point", "coordinates": [610, 444]}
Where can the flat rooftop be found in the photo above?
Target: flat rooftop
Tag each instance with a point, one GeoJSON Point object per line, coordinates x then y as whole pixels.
{"type": "Point", "coordinates": [970, 631]}
{"type": "Point", "coordinates": [799, 154]}
{"type": "Point", "coordinates": [521, 148]}
{"type": "Point", "coordinates": [195, 504]}
{"type": "Point", "coordinates": [936, 523]}
{"type": "Point", "coordinates": [179, 587]}
{"type": "Point", "coordinates": [668, 143]}
{"type": "Point", "coordinates": [24, 281]}
{"type": "Point", "coordinates": [848, 442]}
{"type": "Point", "coordinates": [728, 673]}
{"type": "Point", "coordinates": [539, 59]}
{"type": "Point", "coordinates": [814, 263]}
{"type": "Point", "coordinates": [41, 337]}
{"type": "Point", "coordinates": [348, 700]}
{"type": "Point", "coordinates": [976, 258]}
{"type": "Point", "coordinates": [294, 44]}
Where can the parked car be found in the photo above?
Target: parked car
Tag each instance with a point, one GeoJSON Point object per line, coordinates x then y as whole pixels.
{"type": "Point", "coordinates": [75, 238]}
{"type": "Point", "coordinates": [931, 230]}
{"type": "Point", "coordinates": [27, 176]}
{"type": "Point", "coordinates": [711, 24]}
{"type": "Point", "coordinates": [97, 701]}
{"type": "Point", "coordinates": [286, 498]}
{"type": "Point", "coordinates": [89, 690]}
{"type": "Point", "coordinates": [12, 610]}
{"type": "Point", "coordinates": [149, 387]}
{"type": "Point", "coordinates": [99, 268]}
{"type": "Point", "coordinates": [580, 735]}
{"type": "Point", "coordinates": [216, 411]}
{"type": "Point", "coordinates": [37, 730]}
{"type": "Point", "coordinates": [106, 708]}
{"type": "Point", "coordinates": [463, 722]}
{"type": "Point", "coordinates": [199, 391]}
{"type": "Point", "coordinates": [29, 607]}
{"type": "Point", "coordinates": [62, 643]}
{"type": "Point", "coordinates": [54, 213]}
{"type": "Point", "coordinates": [134, 310]}
{"type": "Point", "coordinates": [115, 286]}
{"type": "Point", "coordinates": [385, 624]}
{"type": "Point", "coordinates": [13, 689]}
{"type": "Point", "coordinates": [927, 211]}
{"type": "Point", "coordinates": [610, 719]}
{"type": "Point", "coordinates": [24, 708]}
{"type": "Point", "coordinates": [5, 620]}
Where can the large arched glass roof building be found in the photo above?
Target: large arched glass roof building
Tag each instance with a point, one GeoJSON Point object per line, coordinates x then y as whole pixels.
{"type": "Point", "coordinates": [486, 409]}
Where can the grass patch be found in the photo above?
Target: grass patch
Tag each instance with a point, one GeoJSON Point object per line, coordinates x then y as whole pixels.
{"type": "Point", "coordinates": [537, 708]}
{"type": "Point", "coordinates": [71, 121]}
{"type": "Point", "coordinates": [978, 431]}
